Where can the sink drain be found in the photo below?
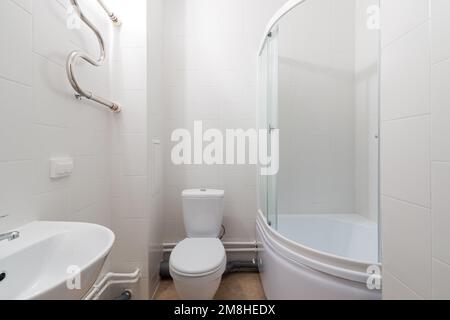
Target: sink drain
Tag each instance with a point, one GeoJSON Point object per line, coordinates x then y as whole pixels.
{"type": "Point", "coordinates": [2, 276]}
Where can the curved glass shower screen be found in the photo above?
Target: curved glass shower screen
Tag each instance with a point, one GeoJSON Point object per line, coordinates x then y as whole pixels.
{"type": "Point", "coordinates": [319, 86]}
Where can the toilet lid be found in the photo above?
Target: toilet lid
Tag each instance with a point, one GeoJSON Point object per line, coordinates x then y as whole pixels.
{"type": "Point", "coordinates": [198, 256]}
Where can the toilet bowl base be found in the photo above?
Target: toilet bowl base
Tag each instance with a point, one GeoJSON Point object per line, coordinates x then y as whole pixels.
{"type": "Point", "coordinates": [197, 289]}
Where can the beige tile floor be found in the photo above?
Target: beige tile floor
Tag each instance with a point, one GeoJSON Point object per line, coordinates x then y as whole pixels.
{"type": "Point", "coordinates": [235, 286]}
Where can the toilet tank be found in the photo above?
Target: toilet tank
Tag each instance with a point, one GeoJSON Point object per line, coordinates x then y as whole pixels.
{"type": "Point", "coordinates": [203, 212]}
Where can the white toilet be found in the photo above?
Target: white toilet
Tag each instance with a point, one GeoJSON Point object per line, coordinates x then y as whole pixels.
{"type": "Point", "coordinates": [198, 262]}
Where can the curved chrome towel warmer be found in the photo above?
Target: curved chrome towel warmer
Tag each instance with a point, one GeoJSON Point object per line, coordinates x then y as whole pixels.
{"type": "Point", "coordinates": [73, 57]}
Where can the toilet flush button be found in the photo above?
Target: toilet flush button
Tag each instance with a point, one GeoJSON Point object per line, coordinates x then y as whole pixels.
{"type": "Point", "coordinates": [61, 168]}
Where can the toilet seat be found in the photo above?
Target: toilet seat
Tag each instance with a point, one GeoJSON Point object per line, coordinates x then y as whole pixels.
{"type": "Point", "coordinates": [198, 257]}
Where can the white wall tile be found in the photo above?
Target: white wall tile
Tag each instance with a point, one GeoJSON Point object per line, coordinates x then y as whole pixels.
{"type": "Point", "coordinates": [15, 193]}
{"type": "Point", "coordinates": [134, 120]}
{"type": "Point", "coordinates": [25, 4]}
{"type": "Point", "coordinates": [406, 235]}
{"type": "Point", "coordinates": [173, 229]}
{"type": "Point", "coordinates": [52, 206]}
{"type": "Point", "coordinates": [16, 109]}
{"type": "Point", "coordinates": [96, 213]}
{"type": "Point", "coordinates": [133, 198]}
{"type": "Point", "coordinates": [134, 210]}
{"type": "Point", "coordinates": [441, 280]}
{"type": "Point", "coordinates": [404, 22]}
{"type": "Point", "coordinates": [51, 94]}
{"type": "Point", "coordinates": [133, 31]}
{"type": "Point", "coordinates": [441, 211]}
{"type": "Point", "coordinates": [405, 80]}
{"type": "Point", "coordinates": [15, 58]}
{"type": "Point", "coordinates": [132, 239]}
{"type": "Point", "coordinates": [393, 289]}
{"type": "Point", "coordinates": [129, 73]}
{"type": "Point", "coordinates": [49, 142]}
{"type": "Point", "coordinates": [239, 229]}
{"type": "Point", "coordinates": [405, 160]}
{"type": "Point", "coordinates": [440, 11]}
{"type": "Point", "coordinates": [441, 111]}
{"type": "Point", "coordinates": [84, 185]}
{"type": "Point", "coordinates": [50, 16]}
{"type": "Point", "coordinates": [116, 175]}
{"type": "Point", "coordinates": [400, 16]}
{"type": "Point", "coordinates": [156, 168]}
{"type": "Point", "coordinates": [135, 153]}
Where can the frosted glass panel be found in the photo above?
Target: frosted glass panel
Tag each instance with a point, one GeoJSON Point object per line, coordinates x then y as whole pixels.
{"type": "Point", "coordinates": [321, 92]}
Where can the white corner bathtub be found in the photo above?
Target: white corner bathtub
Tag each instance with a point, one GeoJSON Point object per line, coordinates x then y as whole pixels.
{"type": "Point", "coordinates": [345, 246]}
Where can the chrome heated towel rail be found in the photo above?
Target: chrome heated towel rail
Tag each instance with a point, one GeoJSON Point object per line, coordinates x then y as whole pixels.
{"type": "Point", "coordinates": [74, 56]}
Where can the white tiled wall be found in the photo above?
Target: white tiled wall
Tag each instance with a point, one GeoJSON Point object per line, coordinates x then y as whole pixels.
{"type": "Point", "coordinates": [415, 173]}
{"type": "Point", "coordinates": [135, 207]}
{"type": "Point", "coordinates": [155, 156]}
{"type": "Point", "coordinates": [41, 119]}
{"type": "Point", "coordinates": [210, 60]}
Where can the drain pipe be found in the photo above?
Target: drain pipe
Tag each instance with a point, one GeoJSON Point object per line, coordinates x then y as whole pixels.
{"type": "Point", "coordinates": [230, 247]}
{"type": "Point", "coordinates": [242, 266]}
{"type": "Point", "coordinates": [112, 279]}
{"type": "Point", "coordinates": [232, 267]}
{"type": "Point", "coordinates": [125, 296]}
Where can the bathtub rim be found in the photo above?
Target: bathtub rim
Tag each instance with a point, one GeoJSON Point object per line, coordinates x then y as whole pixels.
{"type": "Point", "coordinates": [334, 265]}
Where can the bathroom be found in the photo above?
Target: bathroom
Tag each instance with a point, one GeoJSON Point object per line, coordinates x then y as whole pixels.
{"type": "Point", "coordinates": [224, 149]}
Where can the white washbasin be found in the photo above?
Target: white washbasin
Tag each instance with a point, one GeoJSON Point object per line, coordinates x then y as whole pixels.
{"type": "Point", "coordinates": [41, 263]}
